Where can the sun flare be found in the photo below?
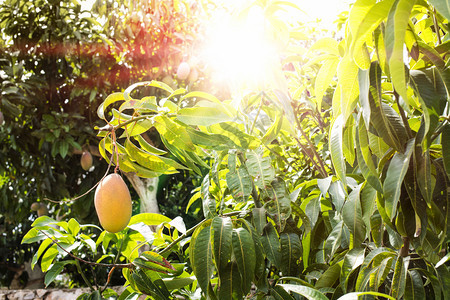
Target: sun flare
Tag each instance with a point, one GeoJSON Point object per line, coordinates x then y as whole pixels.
{"type": "Point", "coordinates": [239, 51]}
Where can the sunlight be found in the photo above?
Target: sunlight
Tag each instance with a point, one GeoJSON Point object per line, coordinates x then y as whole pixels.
{"type": "Point", "coordinates": [239, 51]}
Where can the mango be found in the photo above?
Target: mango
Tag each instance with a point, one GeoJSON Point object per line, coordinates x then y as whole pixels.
{"type": "Point", "coordinates": [113, 203]}
{"type": "Point", "coordinates": [86, 160]}
{"type": "Point", "coordinates": [183, 71]}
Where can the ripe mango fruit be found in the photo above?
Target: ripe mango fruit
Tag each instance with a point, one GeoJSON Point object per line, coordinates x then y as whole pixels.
{"type": "Point", "coordinates": [113, 203]}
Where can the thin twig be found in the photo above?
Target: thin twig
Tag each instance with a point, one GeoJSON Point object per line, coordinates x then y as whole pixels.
{"type": "Point", "coordinates": [109, 279]}
{"type": "Point", "coordinates": [436, 27]}
{"type": "Point", "coordinates": [84, 194]}
{"type": "Point", "coordinates": [77, 263]}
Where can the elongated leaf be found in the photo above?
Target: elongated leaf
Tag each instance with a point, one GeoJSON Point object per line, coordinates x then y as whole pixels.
{"type": "Point", "coordinates": [371, 20]}
{"type": "Point", "coordinates": [201, 257]}
{"type": "Point", "coordinates": [176, 283]}
{"type": "Point", "coordinates": [395, 37]}
{"type": "Point", "coordinates": [445, 141]}
{"type": "Point", "coordinates": [108, 101]}
{"type": "Point", "coordinates": [174, 133]}
{"type": "Point", "coordinates": [348, 81]}
{"type": "Point", "coordinates": [414, 286]}
{"type": "Point", "coordinates": [394, 178]}
{"type": "Point", "coordinates": [240, 184]}
{"type": "Point", "coordinates": [333, 241]}
{"type": "Point", "coordinates": [291, 252]}
{"type": "Point", "coordinates": [278, 205]}
{"type": "Point", "coordinates": [352, 260]}
{"type": "Point", "coordinates": [149, 219]}
{"type": "Point", "coordinates": [336, 142]}
{"type": "Point", "coordinates": [329, 277]}
{"type": "Point", "coordinates": [236, 134]}
{"type": "Point", "coordinates": [153, 261]}
{"type": "Point", "coordinates": [244, 253]}
{"type": "Point", "coordinates": [432, 95]}
{"type": "Point", "coordinates": [271, 244]}
{"type": "Point", "coordinates": [274, 130]}
{"type": "Point", "coordinates": [442, 6]}
{"type": "Point", "coordinates": [222, 230]}
{"type": "Point", "coordinates": [203, 116]}
{"type": "Point", "coordinates": [260, 168]}
{"type": "Point", "coordinates": [48, 257]}
{"type": "Point", "coordinates": [153, 162]}
{"type": "Point", "coordinates": [279, 293]}
{"type": "Point", "coordinates": [150, 284]}
{"type": "Point", "coordinates": [307, 292]}
{"type": "Point", "coordinates": [259, 219]}
{"type": "Point", "coordinates": [147, 147]}
{"type": "Point", "coordinates": [357, 295]}
{"type": "Point", "coordinates": [399, 279]}
{"type": "Point", "coordinates": [230, 282]}
{"type": "Point", "coordinates": [364, 156]}
{"type": "Point", "coordinates": [55, 270]}
{"type": "Point", "coordinates": [323, 79]}
{"type": "Point", "coordinates": [352, 216]}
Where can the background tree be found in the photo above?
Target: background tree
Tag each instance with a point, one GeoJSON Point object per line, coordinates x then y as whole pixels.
{"type": "Point", "coordinates": [58, 63]}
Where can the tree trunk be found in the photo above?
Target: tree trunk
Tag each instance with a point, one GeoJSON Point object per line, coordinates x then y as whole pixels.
{"type": "Point", "coordinates": [146, 189]}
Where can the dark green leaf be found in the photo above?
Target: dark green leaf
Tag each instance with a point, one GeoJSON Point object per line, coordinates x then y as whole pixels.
{"type": "Point", "coordinates": [222, 230]}
{"type": "Point", "coordinates": [201, 257]}
{"type": "Point", "coordinates": [244, 253]}
{"type": "Point", "coordinates": [271, 244]}
{"type": "Point", "coordinates": [55, 270]}
{"type": "Point", "coordinates": [291, 253]}
{"type": "Point", "coordinates": [307, 292]}
{"type": "Point", "coordinates": [240, 184]}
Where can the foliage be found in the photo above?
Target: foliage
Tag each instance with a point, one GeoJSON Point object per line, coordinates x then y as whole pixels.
{"type": "Point", "coordinates": [57, 64]}
{"type": "Point", "coordinates": [339, 190]}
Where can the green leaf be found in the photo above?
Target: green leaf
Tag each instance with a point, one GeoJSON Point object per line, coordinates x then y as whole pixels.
{"type": "Point", "coordinates": [174, 133]}
{"type": "Point", "coordinates": [329, 277]}
{"type": "Point", "coordinates": [414, 286]}
{"type": "Point", "coordinates": [48, 257]}
{"type": "Point", "coordinates": [307, 292]}
{"type": "Point", "coordinates": [291, 252]}
{"type": "Point", "coordinates": [236, 134]}
{"type": "Point", "coordinates": [147, 147]}
{"type": "Point", "coordinates": [108, 101]}
{"type": "Point", "coordinates": [55, 270]}
{"type": "Point", "coordinates": [151, 161]}
{"type": "Point", "coordinates": [203, 116]}
{"type": "Point", "coordinates": [352, 216]}
{"type": "Point", "coordinates": [442, 6]}
{"type": "Point", "coordinates": [445, 141]}
{"type": "Point", "coordinates": [149, 219]}
{"type": "Point", "coordinates": [274, 130]}
{"type": "Point", "coordinates": [222, 230]}
{"type": "Point", "coordinates": [279, 293]}
{"type": "Point", "coordinates": [357, 295]}
{"type": "Point", "coordinates": [153, 261]}
{"type": "Point", "coordinates": [261, 168]}
{"type": "Point", "coordinates": [230, 283]}
{"type": "Point", "coordinates": [151, 284]}
{"type": "Point", "coordinates": [336, 142]}
{"type": "Point", "coordinates": [323, 79]}
{"type": "Point", "coordinates": [201, 252]}
{"type": "Point", "coordinates": [395, 37]}
{"type": "Point", "coordinates": [392, 184]}
{"type": "Point", "coordinates": [445, 259]}
{"type": "Point", "coordinates": [385, 120]}
{"type": "Point", "coordinates": [176, 283]}
{"type": "Point", "coordinates": [399, 278]}
{"type": "Point", "coordinates": [32, 236]}
{"type": "Point", "coordinates": [278, 205]}
{"type": "Point", "coordinates": [432, 96]}
{"type": "Point", "coordinates": [74, 227]}
{"type": "Point", "coordinates": [259, 219]}
{"type": "Point", "coordinates": [244, 253]}
{"type": "Point", "coordinates": [42, 248]}
{"type": "Point", "coordinates": [348, 81]}
{"type": "Point", "coordinates": [364, 156]}
{"type": "Point", "coordinates": [333, 241]}
{"type": "Point", "coordinates": [271, 244]}
{"type": "Point", "coordinates": [352, 260]}
{"type": "Point", "coordinates": [208, 202]}
{"type": "Point", "coordinates": [368, 21]}
{"type": "Point", "coordinates": [240, 184]}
